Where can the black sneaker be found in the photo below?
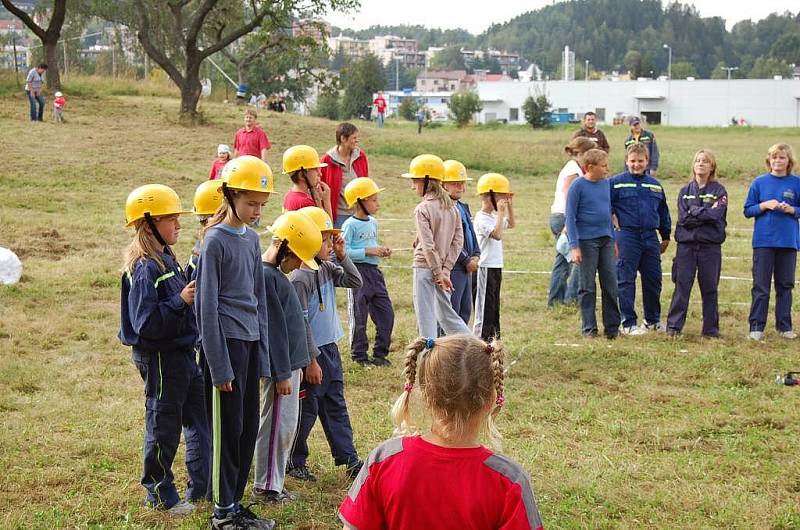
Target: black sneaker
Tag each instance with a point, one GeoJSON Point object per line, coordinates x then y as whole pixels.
{"type": "Point", "coordinates": [251, 518]}
{"type": "Point", "coordinates": [363, 362]}
{"type": "Point", "coordinates": [301, 473]}
{"type": "Point", "coordinates": [271, 497]}
{"type": "Point", "coordinates": [381, 361]}
{"type": "Point", "coordinates": [354, 469]}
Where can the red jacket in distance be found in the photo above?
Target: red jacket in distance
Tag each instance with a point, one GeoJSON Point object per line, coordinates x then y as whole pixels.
{"type": "Point", "coordinates": [332, 175]}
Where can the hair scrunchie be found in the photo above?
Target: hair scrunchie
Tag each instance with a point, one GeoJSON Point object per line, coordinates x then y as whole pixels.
{"type": "Point", "coordinates": [430, 342]}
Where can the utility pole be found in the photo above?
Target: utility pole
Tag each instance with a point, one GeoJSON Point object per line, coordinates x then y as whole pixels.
{"type": "Point", "coordinates": [587, 69]}
{"type": "Point", "coordinates": [14, 47]}
{"type": "Point", "coordinates": [729, 69]}
{"type": "Point", "coordinates": [669, 67]}
{"type": "Point", "coordinates": [396, 73]}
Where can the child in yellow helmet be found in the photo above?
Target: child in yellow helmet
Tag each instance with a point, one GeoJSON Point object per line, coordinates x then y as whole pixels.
{"type": "Point", "coordinates": [495, 216]}
{"type": "Point", "coordinates": [158, 323]}
{"type": "Point", "coordinates": [302, 164]}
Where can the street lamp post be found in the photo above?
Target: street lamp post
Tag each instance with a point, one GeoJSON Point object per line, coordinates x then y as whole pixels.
{"type": "Point", "coordinates": [729, 69]}
{"type": "Point", "coordinates": [587, 69]}
{"type": "Point", "coordinates": [669, 64]}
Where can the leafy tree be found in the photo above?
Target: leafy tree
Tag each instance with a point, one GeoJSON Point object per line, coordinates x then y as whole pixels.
{"type": "Point", "coordinates": [399, 75]}
{"type": "Point", "coordinates": [683, 69]}
{"type": "Point", "coordinates": [449, 58]}
{"type": "Point", "coordinates": [766, 67]}
{"type": "Point", "coordinates": [463, 106]}
{"type": "Point", "coordinates": [361, 79]}
{"type": "Point", "coordinates": [719, 71]}
{"type": "Point", "coordinates": [327, 106]}
{"type": "Point", "coordinates": [180, 35]}
{"type": "Point", "coordinates": [633, 61]}
{"type": "Point", "coordinates": [537, 111]}
{"type": "Point", "coordinates": [49, 36]}
{"type": "Point", "coordinates": [787, 48]}
{"type": "Point", "coordinates": [408, 109]}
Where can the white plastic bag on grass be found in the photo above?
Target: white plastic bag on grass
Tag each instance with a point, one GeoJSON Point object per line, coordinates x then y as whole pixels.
{"type": "Point", "coordinates": [10, 267]}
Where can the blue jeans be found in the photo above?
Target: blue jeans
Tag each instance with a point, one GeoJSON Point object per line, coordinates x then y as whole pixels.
{"type": "Point", "coordinates": [380, 119]}
{"type": "Point", "coordinates": [33, 100]}
{"type": "Point", "coordinates": [565, 276]}
{"type": "Point", "coordinates": [598, 258]}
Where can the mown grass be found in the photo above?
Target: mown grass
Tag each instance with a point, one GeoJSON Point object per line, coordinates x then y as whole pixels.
{"type": "Point", "coordinates": [646, 432]}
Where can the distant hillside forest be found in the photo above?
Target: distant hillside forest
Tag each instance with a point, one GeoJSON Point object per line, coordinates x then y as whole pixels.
{"type": "Point", "coordinates": [629, 35]}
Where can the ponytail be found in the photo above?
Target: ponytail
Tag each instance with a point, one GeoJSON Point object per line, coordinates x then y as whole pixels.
{"type": "Point", "coordinates": [436, 190]}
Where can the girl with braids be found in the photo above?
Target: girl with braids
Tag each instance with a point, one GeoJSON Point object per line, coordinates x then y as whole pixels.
{"type": "Point", "coordinates": [437, 246]}
{"type": "Point", "coordinates": [444, 478]}
{"type": "Point", "coordinates": [295, 241]}
{"type": "Point", "coordinates": [231, 306]}
{"type": "Point", "coordinates": [157, 321]}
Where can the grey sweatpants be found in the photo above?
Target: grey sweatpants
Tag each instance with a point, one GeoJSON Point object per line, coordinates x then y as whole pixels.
{"type": "Point", "coordinates": [276, 432]}
{"type": "Point", "coordinates": [433, 306]}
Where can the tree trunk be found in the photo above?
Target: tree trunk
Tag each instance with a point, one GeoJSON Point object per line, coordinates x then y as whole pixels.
{"type": "Point", "coordinates": [51, 58]}
{"type": "Point", "coordinates": [190, 96]}
{"type": "Point", "coordinates": [241, 70]}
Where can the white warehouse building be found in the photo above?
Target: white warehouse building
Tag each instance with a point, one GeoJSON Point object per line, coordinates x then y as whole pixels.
{"type": "Point", "coordinates": [687, 103]}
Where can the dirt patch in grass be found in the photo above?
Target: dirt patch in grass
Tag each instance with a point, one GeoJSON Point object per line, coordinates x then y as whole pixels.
{"type": "Point", "coordinates": [43, 244]}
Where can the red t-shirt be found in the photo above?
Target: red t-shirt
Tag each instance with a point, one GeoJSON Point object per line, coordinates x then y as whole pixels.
{"type": "Point", "coordinates": [251, 142]}
{"type": "Point", "coordinates": [294, 200]}
{"type": "Point", "coordinates": [216, 169]}
{"type": "Point", "coordinates": [380, 104]}
{"type": "Point", "coordinates": [408, 484]}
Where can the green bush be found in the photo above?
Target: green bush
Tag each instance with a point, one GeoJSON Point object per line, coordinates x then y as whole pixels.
{"type": "Point", "coordinates": [463, 106]}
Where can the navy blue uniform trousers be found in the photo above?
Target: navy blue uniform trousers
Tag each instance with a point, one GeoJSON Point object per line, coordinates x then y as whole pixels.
{"type": "Point", "coordinates": [174, 395]}
{"type": "Point", "coordinates": [705, 259]}
{"type": "Point", "coordinates": [326, 401]}
{"type": "Point", "coordinates": [462, 292]}
{"type": "Point", "coordinates": [371, 300]}
{"type": "Point", "coordinates": [234, 423]}
{"type": "Point", "coordinates": [639, 251]}
{"type": "Point", "coordinates": [780, 262]}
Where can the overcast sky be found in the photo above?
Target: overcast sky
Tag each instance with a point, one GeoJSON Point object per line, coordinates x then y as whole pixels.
{"type": "Point", "coordinates": [458, 13]}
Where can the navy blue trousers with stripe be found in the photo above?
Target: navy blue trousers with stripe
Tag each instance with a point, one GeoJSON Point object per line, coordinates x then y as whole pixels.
{"type": "Point", "coordinates": [326, 401]}
{"type": "Point", "coordinates": [779, 264]}
{"type": "Point", "coordinates": [237, 424]}
{"type": "Point", "coordinates": [639, 251]}
{"type": "Point", "coordinates": [174, 396]}
{"type": "Point", "coordinates": [704, 259]}
{"type": "Point", "coordinates": [371, 300]}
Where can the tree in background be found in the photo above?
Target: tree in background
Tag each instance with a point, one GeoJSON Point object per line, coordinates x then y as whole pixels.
{"type": "Point", "coordinates": [394, 72]}
{"type": "Point", "coordinates": [537, 111]}
{"type": "Point", "coordinates": [408, 109]}
{"type": "Point", "coordinates": [787, 48]}
{"type": "Point", "coordinates": [327, 105]}
{"type": "Point", "coordinates": [49, 36]}
{"type": "Point", "coordinates": [683, 69]}
{"type": "Point", "coordinates": [463, 106]}
{"type": "Point", "coordinates": [449, 58]}
{"type": "Point", "coordinates": [767, 67]}
{"type": "Point", "coordinates": [180, 35]}
{"type": "Point", "coordinates": [361, 78]}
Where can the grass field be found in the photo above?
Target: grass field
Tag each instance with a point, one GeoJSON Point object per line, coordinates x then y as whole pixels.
{"type": "Point", "coordinates": [639, 433]}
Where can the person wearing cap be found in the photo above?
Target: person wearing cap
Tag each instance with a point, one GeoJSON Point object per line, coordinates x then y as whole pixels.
{"type": "Point", "coordinates": [454, 183]}
{"type": "Point", "coordinates": [345, 161]}
{"type": "Point", "coordinates": [360, 233]}
{"type": "Point", "coordinates": [648, 139]}
{"type": "Point", "coordinates": [592, 132]}
{"type": "Point", "coordinates": [158, 323]}
{"type": "Point", "coordinates": [303, 166]}
{"type": "Point", "coordinates": [437, 245]}
{"type": "Point", "coordinates": [495, 216]}
{"type": "Point", "coordinates": [59, 103]}
{"type": "Point", "coordinates": [223, 157]}
{"type": "Point", "coordinates": [231, 307]}
{"type": "Point", "coordinates": [296, 239]}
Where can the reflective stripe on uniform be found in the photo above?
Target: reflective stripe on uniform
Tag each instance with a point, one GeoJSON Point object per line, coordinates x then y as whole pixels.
{"type": "Point", "coordinates": [164, 277]}
{"type": "Point", "coordinates": [654, 187]}
{"type": "Point", "coordinates": [625, 185]}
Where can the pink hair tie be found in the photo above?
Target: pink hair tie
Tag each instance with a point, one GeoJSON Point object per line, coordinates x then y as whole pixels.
{"type": "Point", "coordinates": [488, 348]}
{"type": "Point", "coordinates": [408, 387]}
{"type": "Point", "coordinates": [500, 400]}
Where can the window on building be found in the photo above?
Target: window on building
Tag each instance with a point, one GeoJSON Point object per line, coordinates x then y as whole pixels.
{"type": "Point", "coordinates": [513, 114]}
{"type": "Point", "coordinates": [435, 82]}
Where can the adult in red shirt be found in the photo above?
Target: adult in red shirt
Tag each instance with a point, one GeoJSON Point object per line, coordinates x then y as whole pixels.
{"type": "Point", "coordinates": [380, 107]}
{"type": "Point", "coordinates": [345, 162]}
{"type": "Point", "coordinates": [251, 139]}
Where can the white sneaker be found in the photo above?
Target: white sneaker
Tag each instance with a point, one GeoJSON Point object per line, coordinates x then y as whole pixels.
{"type": "Point", "coordinates": [633, 331]}
{"type": "Point", "coordinates": [788, 334]}
{"type": "Point", "coordinates": [181, 508]}
{"type": "Point", "coordinates": [656, 326]}
{"type": "Point", "coordinates": [756, 335]}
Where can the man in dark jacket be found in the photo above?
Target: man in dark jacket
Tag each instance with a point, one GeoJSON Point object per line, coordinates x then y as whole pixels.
{"type": "Point", "coordinates": [591, 131]}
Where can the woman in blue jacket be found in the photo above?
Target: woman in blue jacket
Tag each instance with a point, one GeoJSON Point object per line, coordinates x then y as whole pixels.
{"type": "Point", "coordinates": [774, 202]}
{"type": "Point", "coordinates": [700, 232]}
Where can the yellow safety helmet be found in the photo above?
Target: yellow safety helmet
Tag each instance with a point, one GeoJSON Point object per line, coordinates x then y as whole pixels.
{"type": "Point", "coordinates": [455, 171]}
{"type": "Point", "coordinates": [301, 157]}
{"type": "Point", "coordinates": [422, 166]}
{"type": "Point", "coordinates": [360, 188]}
{"type": "Point", "coordinates": [320, 218]}
{"type": "Point", "coordinates": [155, 200]}
{"type": "Point", "coordinates": [493, 182]}
{"type": "Point", "coordinates": [248, 173]}
{"type": "Point", "coordinates": [208, 197]}
{"type": "Point", "coordinates": [301, 235]}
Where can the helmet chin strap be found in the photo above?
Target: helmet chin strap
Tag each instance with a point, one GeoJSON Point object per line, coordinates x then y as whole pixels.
{"type": "Point", "coordinates": [361, 205]}
{"type": "Point", "coordinates": [425, 185]}
{"type": "Point", "coordinates": [316, 280]}
{"type": "Point", "coordinates": [308, 185]}
{"type": "Point", "coordinates": [149, 220]}
{"type": "Point", "coordinates": [492, 198]}
{"type": "Point", "coordinates": [283, 251]}
{"type": "Point", "coordinates": [229, 197]}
